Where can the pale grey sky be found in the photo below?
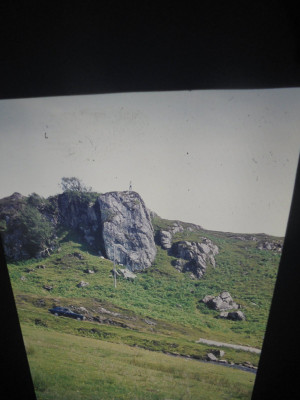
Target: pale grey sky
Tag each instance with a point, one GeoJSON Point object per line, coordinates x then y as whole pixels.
{"type": "Point", "coordinates": [223, 159]}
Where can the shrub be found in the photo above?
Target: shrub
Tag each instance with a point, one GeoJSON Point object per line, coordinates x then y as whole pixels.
{"type": "Point", "coordinates": [36, 228]}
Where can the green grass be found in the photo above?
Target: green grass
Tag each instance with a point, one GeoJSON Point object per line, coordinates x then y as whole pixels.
{"type": "Point", "coordinates": [161, 292]}
{"type": "Point", "coordinates": [169, 298]}
{"type": "Point", "coordinates": [66, 367]}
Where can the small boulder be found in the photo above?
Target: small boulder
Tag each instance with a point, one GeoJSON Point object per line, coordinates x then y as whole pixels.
{"type": "Point", "coordinates": [126, 273]}
{"type": "Point", "coordinates": [149, 322]}
{"type": "Point", "coordinates": [78, 255]}
{"type": "Point", "coordinates": [221, 302]}
{"type": "Point", "coordinates": [48, 287]}
{"type": "Point", "coordinates": [82, 284]}
{"type": "Point", "coordinates": [218, 353]}
{"type": "Point", "coordinates": [236, 316]}
{"type": "Point", "coordinates": [89, 271]}
{"type": "Point", "coordinates": [211, 357]}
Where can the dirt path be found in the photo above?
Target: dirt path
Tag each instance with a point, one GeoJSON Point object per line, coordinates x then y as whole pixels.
{"type": "Point", "coordinates": [233, 346]}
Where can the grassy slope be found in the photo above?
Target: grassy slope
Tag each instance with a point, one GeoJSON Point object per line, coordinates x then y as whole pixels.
{"type": "Point", "coordinates": [94, 369]}
{"type": "Point", "coordinates": [160, 293]}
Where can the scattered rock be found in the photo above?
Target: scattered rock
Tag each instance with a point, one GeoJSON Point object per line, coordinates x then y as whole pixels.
{"type": "Point", "coordinates": [221, 302]}
{"type": "Point", "coordinates": [48, 287]}
{"type": "Point", "coordinates": [211, 357]}
{"type": "Point", "coordinates": [23, 278]}
{"type": "Point", "coordinates": [103, 310]}
{"type": "Point", "coordinates": [196, 255]}
{"type": "Point", "coordinates": [78, 255]}
{"type": "Point", "coordinates": [89, 271]}
{"type": "Point", "coordinates": [150, 322]}
{"type": "Point", "coordinates": [270, 245]}
{"type": "Point", "coordinates": [218, 353]}
{"type": "Point", "coordinates": [248, 365]}
{"type": "Point", "coordinates": [234, 315]}
{"type": "Point", "coordinates": [82, 309]}
{"type": "Point", "coordinates": [82, 284]}
{"type": "Point", "coordinates": [126, 273]}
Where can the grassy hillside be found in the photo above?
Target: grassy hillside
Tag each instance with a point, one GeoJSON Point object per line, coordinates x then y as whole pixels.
{"type": "Point", "coordinates": [159, 311]}
{"type": "Point", "coordinates": [70, 367]}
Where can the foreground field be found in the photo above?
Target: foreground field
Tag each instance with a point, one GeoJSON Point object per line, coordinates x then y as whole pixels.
{"type": "Point", "coordinates": [66, 367]}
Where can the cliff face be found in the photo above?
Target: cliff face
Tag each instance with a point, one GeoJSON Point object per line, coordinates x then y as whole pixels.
{"type": "Point", "coordinates": [81, 213]}
{"type": "Point", "coordinates": [127, 232]}
{"type": "Point", "coordinates": [115, 224]}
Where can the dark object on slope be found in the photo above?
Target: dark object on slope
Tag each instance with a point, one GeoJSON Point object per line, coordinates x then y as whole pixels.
{"type": "Point", "coordinates": [66, 312]}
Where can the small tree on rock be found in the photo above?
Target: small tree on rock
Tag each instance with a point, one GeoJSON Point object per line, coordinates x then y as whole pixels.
{"type": "Point", "coordinates": [73, 184]}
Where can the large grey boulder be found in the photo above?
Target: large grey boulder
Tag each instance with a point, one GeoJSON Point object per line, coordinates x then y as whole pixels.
{"type": "Point", "coordinates": [127, 232]}
{"type": "Point", "coordinates": [196, 254]}
{"type": "Point", "coordinates": [222, 302]}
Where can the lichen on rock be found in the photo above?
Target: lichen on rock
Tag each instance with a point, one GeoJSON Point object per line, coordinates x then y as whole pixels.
{"type": "Point", "coordinates": [194, 256]}
{"type": "Point", "coordinates": [127, 232]}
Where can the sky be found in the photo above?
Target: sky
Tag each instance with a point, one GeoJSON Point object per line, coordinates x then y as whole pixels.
{"type": "Point", "coordinates": [222, 159]}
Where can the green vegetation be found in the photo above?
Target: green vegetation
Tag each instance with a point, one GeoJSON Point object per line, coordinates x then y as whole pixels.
{"type": "Point", "coordinates": [37, 230]}
{"type": "Point", "coordinates": [66, 367]}
{"type": "Point", "coordinates": [124, 352]}
{"type": "Point", "coordinates": [73, 184]}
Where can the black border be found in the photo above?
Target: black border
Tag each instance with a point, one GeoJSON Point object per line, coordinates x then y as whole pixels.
{"type": "Point", "coordinates": [70, 50]}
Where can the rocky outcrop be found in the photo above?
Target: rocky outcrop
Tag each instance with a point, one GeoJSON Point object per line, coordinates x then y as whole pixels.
{"type": "Point", "coordinates": [78, 212]}
{"type": "Point", "coordinates": [270, 245]}
{"type": "Point", "coordinates": [222, 302]}
{"type": "Point", "coordinates": [194, 256]}
{"type": "Point", "coordinates": [165, 239]}
{"type": "Point", "coordinates": [113, 224]}
{"type": "Point", "coordinates": [127, 231]}
{"type": "Point", "coordinates": [165, 236]}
